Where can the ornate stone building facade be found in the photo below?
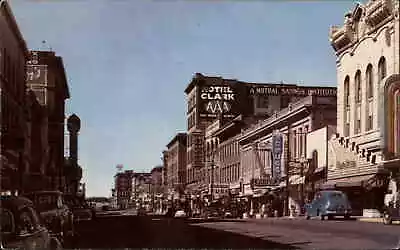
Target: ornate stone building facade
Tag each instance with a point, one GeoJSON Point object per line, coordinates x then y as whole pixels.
{"type": "Point", "coordinates": [368, 67]}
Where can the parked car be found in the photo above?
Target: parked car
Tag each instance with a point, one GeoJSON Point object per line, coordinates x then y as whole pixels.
{"type": "Point", "coordinates": [141, 211]}
{"type": "Point", "coordinates": [54, 212]}
{"type": "Point", "coordinates": [180, 213]}
{"type": "Point", "coordinates": [21, 227]}
{"type": "Point", "coordinates": [328, 204]}
{"type": "Point", "coordinates": [80, 209]}
{"type": "Point", "coordinates": [213, 213]}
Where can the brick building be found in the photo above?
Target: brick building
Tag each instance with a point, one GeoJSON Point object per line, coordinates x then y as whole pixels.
{"type": "Point", "coordinates": [176, 165]}
{"type": "Point", "coordinates": [213, 104]}
{"type": "Point", "coordinates": [209, 98]}
{"type": "Point", "coordinates": [273, 151]}
{"type": "Point", "coordinates": [368, 80]}
{"type": "Point", "coordinates": [14, 132]}
{"type": "Point", "coordinates": [157, 188]}
{"type": "Point", "coordinates": [123, 187]}
{"type": "Point", "coordinates": [46, 78]}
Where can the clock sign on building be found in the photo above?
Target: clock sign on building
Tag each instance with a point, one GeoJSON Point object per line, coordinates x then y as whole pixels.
{"type": "Point", "coordinates": [37, 76]}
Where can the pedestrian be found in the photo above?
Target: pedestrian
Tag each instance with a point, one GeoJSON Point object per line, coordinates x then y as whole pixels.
{"type": "Point", "coordinates": [263, 210]}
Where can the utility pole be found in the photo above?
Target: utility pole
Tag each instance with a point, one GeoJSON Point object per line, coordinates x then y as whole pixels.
{"type": "Point", "coordinates": [212, 176]}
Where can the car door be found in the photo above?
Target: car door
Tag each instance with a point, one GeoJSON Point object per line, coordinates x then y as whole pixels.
{"type": "Point", "coordinates": [315, 204]}
{"type": "Point", "coordinates": [8, 239]}
{"type": "Point", "coordinates": [30, 231]}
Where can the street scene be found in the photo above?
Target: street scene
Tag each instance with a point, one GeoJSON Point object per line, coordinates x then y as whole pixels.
{"type": "Point", "coordinates": [194, 124]}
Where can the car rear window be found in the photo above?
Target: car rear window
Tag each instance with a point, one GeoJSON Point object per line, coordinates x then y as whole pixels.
{"type": "Point", "coordinates": [337, 196]}
{"type": "Point", "coordinates": [46, 202]}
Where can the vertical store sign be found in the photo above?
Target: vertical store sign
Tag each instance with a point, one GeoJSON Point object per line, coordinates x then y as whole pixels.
{"type": "Point", "coordinates": [277, 148]}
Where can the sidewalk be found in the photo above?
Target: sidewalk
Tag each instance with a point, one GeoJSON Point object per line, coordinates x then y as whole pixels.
{"type": "Point", "coordinates": [355, 218]}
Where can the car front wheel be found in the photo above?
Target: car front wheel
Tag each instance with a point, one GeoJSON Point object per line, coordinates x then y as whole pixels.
{"type": "Point", "coordinates": [387, 219]}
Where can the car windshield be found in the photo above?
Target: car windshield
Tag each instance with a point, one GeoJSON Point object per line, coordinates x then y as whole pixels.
{"type": "Point", "coordinates": [46, 202]}
{"type": "Point", "coordinates": [337, 196]}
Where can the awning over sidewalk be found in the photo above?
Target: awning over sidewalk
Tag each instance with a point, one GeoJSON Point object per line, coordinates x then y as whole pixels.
{"type": "Point", "coordinates": [352, 181]}
{"type": "Point", "coordinates": [296, 179]}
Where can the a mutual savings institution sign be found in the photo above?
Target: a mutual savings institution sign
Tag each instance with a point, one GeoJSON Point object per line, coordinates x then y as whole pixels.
{"type": "Point", "coordinates": [217, 100]}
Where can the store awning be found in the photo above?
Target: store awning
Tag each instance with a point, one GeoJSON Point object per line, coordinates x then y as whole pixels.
{"type": "Point", "coordinates": [296, 179]}
{"type": "Point", "coordinates": [318, 170]}
{"type": "Point", "coordinates": [260, 192]}
{"type": "Point", "coordinates": [353, 181]}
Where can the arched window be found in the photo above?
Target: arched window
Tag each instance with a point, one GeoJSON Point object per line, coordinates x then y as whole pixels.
{"type": "Point", "coordinates": [381, 69]}
{"type": "Point", "coordinates": [369, 81]}
{"type": "Point", "coordinates": [346, 91]}
{"type": "Point", "coordinates": [370, 94]}
{"type": "Point", "coordinates": [357, 85]}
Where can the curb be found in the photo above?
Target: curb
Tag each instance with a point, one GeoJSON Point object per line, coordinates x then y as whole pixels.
{"type": "Point", "coordinates": [371, 220]}
{"type": "Point", "coordinates": [377, 220]}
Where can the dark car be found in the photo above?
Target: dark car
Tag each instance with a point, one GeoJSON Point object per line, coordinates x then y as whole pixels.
{"type": "Point", "coordinates": [54, 212]}
{"type": "Point", "coordinates": [80, 209]}
{"type": "Point", "coordinates": [142, 211]}
{"type": "Point", "coordinates": [329, 204]}
{"type": "Point", "coordinates": [21, 227]}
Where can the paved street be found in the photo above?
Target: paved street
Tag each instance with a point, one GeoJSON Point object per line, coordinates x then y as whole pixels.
{"type": "Point", "coordinates": [159, 232]}
{"type": "Point", "coordinates": [118, 231]}
{"type": "Point", "coordinates": [315, 234]}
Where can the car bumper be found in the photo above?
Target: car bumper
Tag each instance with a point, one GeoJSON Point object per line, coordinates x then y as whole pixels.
{"type": "Point", "coordinates": [339, 213]}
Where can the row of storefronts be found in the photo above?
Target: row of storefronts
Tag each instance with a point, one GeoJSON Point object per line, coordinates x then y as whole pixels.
{"type": "Point", "coordinates": [277, 143]}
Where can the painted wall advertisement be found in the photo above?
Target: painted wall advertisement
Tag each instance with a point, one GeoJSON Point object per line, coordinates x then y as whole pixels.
{"type": "Point", "coordinates": [294, 91]}
{"type": "Point", "coordinates": [218, 100]}
{"type": "Point", "coordinates": [277, 149]}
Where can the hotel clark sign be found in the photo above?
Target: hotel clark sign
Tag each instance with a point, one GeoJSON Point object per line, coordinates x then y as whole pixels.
{"type": "Point", "coordinates": [218, 100]}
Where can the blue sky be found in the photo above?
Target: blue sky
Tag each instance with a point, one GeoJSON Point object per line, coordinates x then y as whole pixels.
{"type": "Point", "coordinates": [128, 63]}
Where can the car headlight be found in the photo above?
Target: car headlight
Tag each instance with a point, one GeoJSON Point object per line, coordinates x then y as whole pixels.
{"type": "Point", "coordinates": [328, 204]}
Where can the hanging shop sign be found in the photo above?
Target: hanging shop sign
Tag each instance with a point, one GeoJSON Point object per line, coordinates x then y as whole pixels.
{"type": "Point", "coordinates": [262, 182]}
{"type": "Point", "coordinates": [277, 148]}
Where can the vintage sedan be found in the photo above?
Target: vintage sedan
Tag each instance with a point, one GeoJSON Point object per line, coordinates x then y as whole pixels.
{"type": "Point", "coordinates": [80, 209]}
{"type": "Point", "coordinates": [21, 227]}
{"type": "Point", "coordinates": [329, 203]}
{"type": "Point", "coordinates": [54, 212]}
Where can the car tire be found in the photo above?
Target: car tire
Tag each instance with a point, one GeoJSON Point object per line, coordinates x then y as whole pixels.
{"type": "Point", "coordinates": [320, 216]}
{"type": "Point", "coordinates": [347, 217]}
{"type": "Point", "coordinates": [387, 219]}
{"type": "Point", "coordinates": [55, 244]}
{"type": "Point", "coordinates": [330, 217]}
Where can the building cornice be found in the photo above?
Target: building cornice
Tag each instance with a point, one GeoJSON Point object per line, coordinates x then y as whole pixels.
{"type": "Point", "coordinates": [180, 137]}
{"type": "Point", "coordinates": [291, 110]}
{"type": "Point", "coordinates": [4, 5]}
{"type": "Point", "coordinates": [361, 22]}
{"type": "Point", "coordinates": [351, 48]}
